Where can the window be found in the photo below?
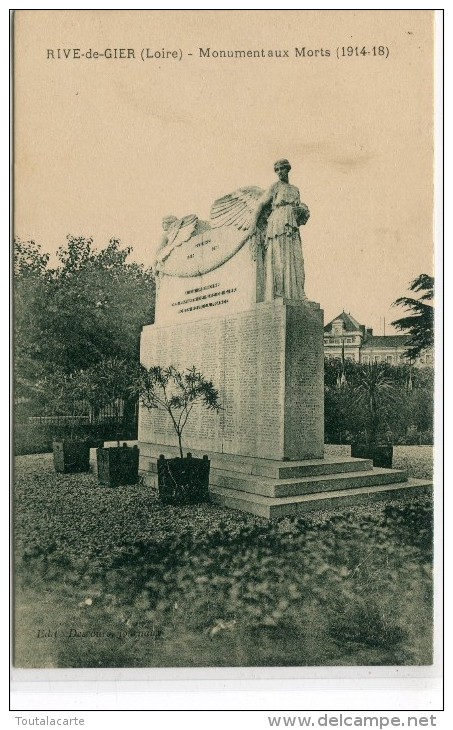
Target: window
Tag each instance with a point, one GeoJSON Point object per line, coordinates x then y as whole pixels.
{"type": "Point", "coordinates": [389, 358]}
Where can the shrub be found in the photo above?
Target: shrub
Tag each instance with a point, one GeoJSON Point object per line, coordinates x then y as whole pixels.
{"type": "Point", "coordinates": [376, 401]}
{"type": "Point", "coordinates": [37, 438]}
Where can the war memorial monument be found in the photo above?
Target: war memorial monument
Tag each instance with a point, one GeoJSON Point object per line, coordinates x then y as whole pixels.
{"type": "Point", "coordinates": [231, 301]}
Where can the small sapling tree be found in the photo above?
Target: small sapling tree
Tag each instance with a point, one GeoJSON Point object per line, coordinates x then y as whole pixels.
{"type": "Point", "coordinates": [176, 392]}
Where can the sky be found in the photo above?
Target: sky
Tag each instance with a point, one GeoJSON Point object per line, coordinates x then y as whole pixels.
{"type": "Point", "coordinates": [107, 147]}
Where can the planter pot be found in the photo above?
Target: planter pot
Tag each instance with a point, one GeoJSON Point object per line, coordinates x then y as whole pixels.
{"type": "Point", "coordinates": [382, 454]}
{"type": "Point", "coordinates": [70, 457]}
{"type": "Point", "coordinates": [183, 481]}
{"type": "Point", "coordinates": [117, 465]}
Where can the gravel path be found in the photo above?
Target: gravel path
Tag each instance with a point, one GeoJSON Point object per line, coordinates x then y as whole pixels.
{"type": "Point", "coordinates": [416, 460]}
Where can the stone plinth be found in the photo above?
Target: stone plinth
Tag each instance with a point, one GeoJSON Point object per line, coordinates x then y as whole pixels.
{"type": "Point", "coordinates": [271, 489]}
{"type": "Point", "coordinates": [267, 363]}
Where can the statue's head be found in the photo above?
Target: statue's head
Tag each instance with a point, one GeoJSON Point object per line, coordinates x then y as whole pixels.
{"type": "Point", "coordinates": [167, 221]}
{"type": "Point", "coordinates": [282, 165]}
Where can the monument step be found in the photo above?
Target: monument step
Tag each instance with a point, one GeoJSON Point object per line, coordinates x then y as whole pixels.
{"type": "Point", "coordinates": [275, 507]}
{"type": "Point", "coordinates": [290, 469]}
{"type": "Point", "coordinates": [304, 485]}
{"type": "Point", "coordinates": [273, 468]}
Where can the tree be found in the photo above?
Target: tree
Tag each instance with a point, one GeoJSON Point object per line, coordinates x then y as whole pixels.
{"type": "Point", "coordinates": [374, 392]}
{"type": "Point", "coordinates": [30, 288]}
{"type": "Point", "coordinates": [29, 262]}
{"type": "Point", "coordinates": [177, 393]}
{"type": "Point", "coordinates": [377, 399]}
{"type": "Point", "coordinates": [420, 324]}
{"type": "Point", "coordinates": [112, 382]}
{"type": "Point", "coordinates": [92, 305]}
{"type": "Point", "coordinates": [66, 395]}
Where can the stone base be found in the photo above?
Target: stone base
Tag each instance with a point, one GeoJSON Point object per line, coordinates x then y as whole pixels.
{"type": "Point", "coordinates": [283, 506]}
{"type": "Point", "coordinates": [273, 488]}
{"type": "Point", "coordinates": [268, 365]}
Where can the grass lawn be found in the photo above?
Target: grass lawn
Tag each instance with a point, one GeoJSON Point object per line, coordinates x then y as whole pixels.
{"type": "Point", "coordinates": [110, 578]}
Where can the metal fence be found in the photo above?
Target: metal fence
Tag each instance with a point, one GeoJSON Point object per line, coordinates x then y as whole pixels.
{"type": "Point", "coordinates": [36, 433]}
{"type": "Point", "coordinates": [86, 415]}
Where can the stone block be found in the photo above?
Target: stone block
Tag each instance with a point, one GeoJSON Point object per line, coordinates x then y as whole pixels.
{"type": "Point", "coordinates": [276, 507]}
{"type": "Point", "coordinates": [266, 362]}
{"type": "Point", "coordinates": [305, 485]}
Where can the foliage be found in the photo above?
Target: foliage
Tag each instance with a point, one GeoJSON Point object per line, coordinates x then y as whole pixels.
{"type": "Point", "coordinates": [420, 324]}
{"type": "Point", "coordinates": [210, 586]}
{"type": "Point", "coordinates": [177, 393]}
{"type": "Point", "coordinates": [333, 367]}
{"type": "Point", "coordinates": [29, 262]}
{"type": "Point", "coordinates": [374, 393]}
{"type": "Point", "coordinates": [92, 305]}
{"type": "Point", "coordinates": [30, 285]}
{"type": "Point", "coordinates": [37, 437]}
{"type": "Point", "coordinates": [112, 381]}
{"type": "Point", "coordinates": [403, 412]}
{"type": "Point", "coordinates": [65, 394]}
{"type": "Point", "coordinates": [363, 403]}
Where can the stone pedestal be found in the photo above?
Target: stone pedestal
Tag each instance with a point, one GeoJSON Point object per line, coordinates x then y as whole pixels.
{"type": "Point", "coordinates": [266, 359]}
{"type": "Point", "coordinates": [275, 488]}
{"type": "Point", "coordinates": [266, 362]}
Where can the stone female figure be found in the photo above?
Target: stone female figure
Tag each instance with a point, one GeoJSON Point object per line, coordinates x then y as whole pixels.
{"type": "Point", "coordinates": [284, 274]}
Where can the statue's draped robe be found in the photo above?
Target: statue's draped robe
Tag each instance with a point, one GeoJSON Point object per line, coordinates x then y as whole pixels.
{"type": "Point", "coordinates": [283, 262]}
{"type": "Point", "coordinates": [274, 243]}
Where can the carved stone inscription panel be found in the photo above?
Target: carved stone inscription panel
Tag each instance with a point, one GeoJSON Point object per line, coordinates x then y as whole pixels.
{"type": "Point", "coordinates": [227, 289]}
{"type": "Point", "coordinates": [304, 389]}
{"type": "Point", "coordinates": [265, 364]}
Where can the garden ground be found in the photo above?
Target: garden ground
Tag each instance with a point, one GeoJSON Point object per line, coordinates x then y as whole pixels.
{"type": "Point", "coordinates": [109, 577]}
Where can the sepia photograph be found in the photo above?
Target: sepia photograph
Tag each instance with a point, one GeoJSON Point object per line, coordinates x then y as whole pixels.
{"type": "Point", "coordinates": [223, 339]}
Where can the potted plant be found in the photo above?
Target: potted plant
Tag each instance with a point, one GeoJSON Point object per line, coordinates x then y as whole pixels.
{"type": "Point", "coordinates": [113, 381]}
{"type": "Point", "coordinates": [180, 480]}
{"type": "Point", "coordinates": [374, 393]}
{"type": "Point", "coordinates": [65, 393]}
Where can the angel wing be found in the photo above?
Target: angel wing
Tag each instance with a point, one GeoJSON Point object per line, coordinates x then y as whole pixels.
{"type": "Point", "coordinates": [236, 209]}
{"type": "Point", "coordinates": [182, 230]}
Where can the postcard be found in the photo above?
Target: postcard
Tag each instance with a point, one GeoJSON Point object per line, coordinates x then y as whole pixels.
{"type": "Point", "coordinates": [224, 342]}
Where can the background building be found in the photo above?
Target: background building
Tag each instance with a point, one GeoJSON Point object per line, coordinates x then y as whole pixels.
{"type": "Point", "coordinates": [361, 345]}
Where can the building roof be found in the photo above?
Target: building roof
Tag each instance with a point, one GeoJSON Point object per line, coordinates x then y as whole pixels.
{"type": "Point", "coordinates": [350, 324]}
{"type": "Point", "coordinates": [385, 341]}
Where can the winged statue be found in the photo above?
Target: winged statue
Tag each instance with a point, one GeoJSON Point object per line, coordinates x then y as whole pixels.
{"type": "Point", "coordinates": [231, 224]}
{"type": "Point", "coordinates": [268, 220]}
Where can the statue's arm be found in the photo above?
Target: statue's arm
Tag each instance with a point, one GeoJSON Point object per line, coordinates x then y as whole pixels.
{"type": "Point", "coordinates": [301, 210]}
